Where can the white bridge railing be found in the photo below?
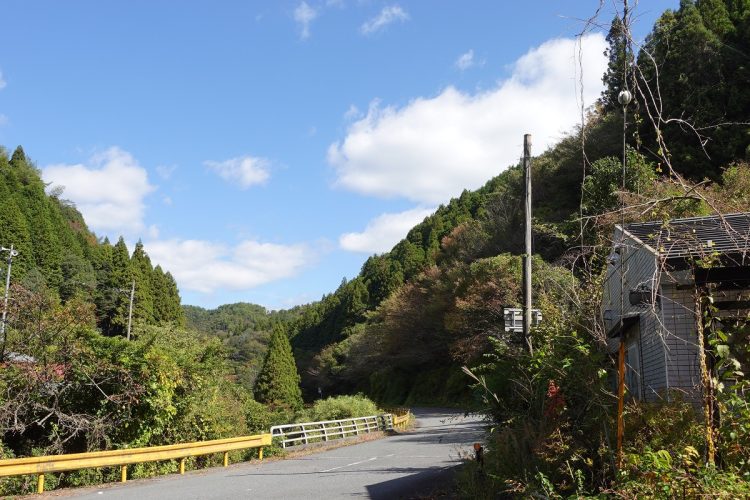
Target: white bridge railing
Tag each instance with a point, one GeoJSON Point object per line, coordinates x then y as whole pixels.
{"type": "Point", "coordinates": [312, 432]}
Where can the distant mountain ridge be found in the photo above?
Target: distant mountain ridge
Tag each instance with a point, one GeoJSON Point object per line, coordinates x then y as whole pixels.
{"type": "Point", "coordinates": [244, 329]}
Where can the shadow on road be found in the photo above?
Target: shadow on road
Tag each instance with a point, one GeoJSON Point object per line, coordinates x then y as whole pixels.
{"type": "Point", "coordinates": [427, 482]}
{"type": "Point", "coordinates": [460, 437]}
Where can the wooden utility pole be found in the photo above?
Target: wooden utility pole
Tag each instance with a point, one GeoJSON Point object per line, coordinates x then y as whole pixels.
{"type": "Point", "coordinates": [703, 312]}
{"type": "Point", "coordinates": [620, 398]}
{"type": "Point", "coordinates": [527, 252]}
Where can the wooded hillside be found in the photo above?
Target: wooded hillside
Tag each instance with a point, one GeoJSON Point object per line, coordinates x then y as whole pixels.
{"type": "Point", "coordinates": [59, 256]}
{"type": "Point", "coordinates": [431, 299]}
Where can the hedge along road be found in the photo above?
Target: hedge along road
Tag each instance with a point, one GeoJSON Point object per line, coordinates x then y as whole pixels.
{"type": "Point", "coordinates": [394, 467]}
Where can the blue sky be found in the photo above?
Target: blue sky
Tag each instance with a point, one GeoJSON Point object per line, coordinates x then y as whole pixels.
{"type": "Point", "coordinates": [262, 150]}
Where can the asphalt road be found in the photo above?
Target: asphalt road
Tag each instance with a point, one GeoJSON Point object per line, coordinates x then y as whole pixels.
{"type": "Point", "coordinates": [394, 467]}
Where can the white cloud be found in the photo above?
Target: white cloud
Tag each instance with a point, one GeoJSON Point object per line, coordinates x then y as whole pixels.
{"type": "Point", "coordinates": [109, 190]}
{"type": "Point", "coordinates": [3, 120]}
{"type": "Point", "coordinates": [304, 15]}
{"type": "Point", "coordinates": [465, 61]}
{"type": "Point", "coordinates": [387, 16]}
{"type": "Point", "coordinates": [246, 170]}
{"type": "Point", "coordinates": [3, 83]}
{"type": "Point", "coordinates": [153, 231]}
{"type": "Point", "coordinates": [167, 200]}
{"type": "Point", "coordinates": [384, 231]}
{"type": "Point", "coordinates": [433, 148]}
{"type": "Point", "coordinates": [352, 113]}
{"type": "Point", "coordinates": [166, 171]}
{"type": "Point", "coordinates": [204, 266]}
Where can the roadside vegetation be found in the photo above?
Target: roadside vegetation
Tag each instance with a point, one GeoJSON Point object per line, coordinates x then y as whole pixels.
{"type": "Point", "coordinates": [86, 392]}
{"type": "Point", "coordinates": [71, 382]}
{"type": "Point", "coordinates": [423, 323]}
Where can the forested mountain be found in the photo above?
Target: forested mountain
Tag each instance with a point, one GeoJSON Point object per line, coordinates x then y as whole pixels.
{"type": "Point", "coordinates": [699, 55]}
{"type": "Point", "coordinates": [69, 380]}
{"type": "Point", "coordinates": [59, 256]}
{"type": "Point", "coordinates": [403, 328]}
{"type": "Point", "coordinates": [406, 313]}
{"type": "Point", "coordinates": [245, 329]}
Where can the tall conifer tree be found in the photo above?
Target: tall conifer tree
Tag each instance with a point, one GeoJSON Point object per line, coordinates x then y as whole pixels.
{"type": "Point", "coordinates": [176, 314]}
{"type": "Point", "coordinates": [614, 77]}
{"type": "Point", "coordinates": [122, 279]}
{"type": "Point", "coordinates": [143, 304]}
{"type": "Point", "coordinates": [14, 230]}
{"type": "Point", "coordinates": [278, 380]}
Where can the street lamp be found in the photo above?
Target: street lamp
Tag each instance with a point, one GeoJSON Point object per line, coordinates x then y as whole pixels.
{"type": "Point", "coordinates": [11, 253]}
{"type": "Point", "coordinates": [624, 98]}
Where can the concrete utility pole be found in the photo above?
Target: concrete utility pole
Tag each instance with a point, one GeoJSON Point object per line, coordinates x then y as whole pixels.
{"type": "Point", "coordinates": [130, 309]}
{"type": "Point", "coordinates": [528, 250]}
{"type": "Point", "coordinates": [11, 253]}
{"type": "Point", "coordinates": [624, 98]}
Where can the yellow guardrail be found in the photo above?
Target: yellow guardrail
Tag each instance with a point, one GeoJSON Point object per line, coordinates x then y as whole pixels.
{"type": "Point", "coordinates": [401, 421]}
{"type": "Point", "coordinates": [61, 463]}
{"type": "Point", "coordinates": [398, 410]}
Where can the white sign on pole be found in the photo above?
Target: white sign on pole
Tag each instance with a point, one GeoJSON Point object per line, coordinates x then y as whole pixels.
{"type": "Point", "coordinates": [513, 318]}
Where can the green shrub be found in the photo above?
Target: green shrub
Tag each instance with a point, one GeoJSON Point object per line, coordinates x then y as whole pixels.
{"type": "Point", "coordinates": [339, 407]}
{"type": "Point", "coordinates": [164, 387]}
{"type": "Point", "coordinates": [549, 411]}
{"type": "Point", "coordinates": [660, 474]}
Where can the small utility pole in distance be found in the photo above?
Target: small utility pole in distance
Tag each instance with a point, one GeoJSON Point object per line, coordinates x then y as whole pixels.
{"type": "Point", "coordinates": [130, 309]}
{"type": "Point", "coordinates": [11, 253]}
{"type": "Point", "coordinates": [527, 252]}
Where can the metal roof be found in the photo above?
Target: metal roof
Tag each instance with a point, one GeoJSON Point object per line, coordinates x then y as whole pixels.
{"type": "Point", "coordinates": [15, 357]}
{"type": "Point", "coordinates": [696, 236]}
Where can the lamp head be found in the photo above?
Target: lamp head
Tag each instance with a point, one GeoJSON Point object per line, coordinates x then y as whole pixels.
{"type": "Point", "coordinates": [624, 97]}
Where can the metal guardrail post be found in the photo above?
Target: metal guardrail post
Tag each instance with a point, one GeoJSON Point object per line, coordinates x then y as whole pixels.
{"type": "Point", "coordinates": [40, 483]}
{"type": "Point", "coordinates": [226, 458]}
{"type": "Point", "coordinates": [182, 466]}
{"type": "Point", "coordinates": [123, 473]}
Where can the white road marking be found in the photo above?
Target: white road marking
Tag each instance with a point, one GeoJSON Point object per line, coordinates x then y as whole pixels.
{"type": "Point", "coordinates": [349, 465]}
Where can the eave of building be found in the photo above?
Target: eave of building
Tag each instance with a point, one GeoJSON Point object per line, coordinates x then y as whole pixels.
{"type": "Point", "coordinates": [635, 238]}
